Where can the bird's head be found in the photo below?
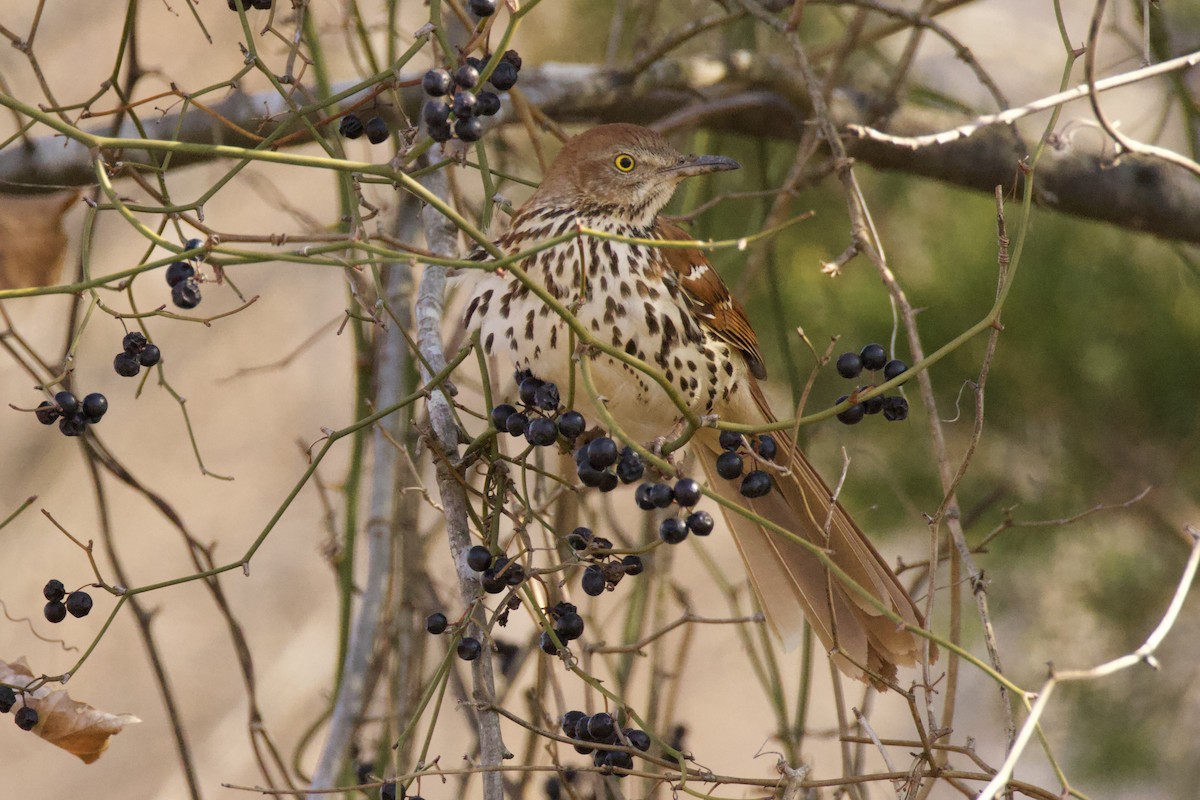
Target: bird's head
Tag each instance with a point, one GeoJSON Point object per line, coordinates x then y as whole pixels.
{"type": "Point", "coordinates": [626, 170]}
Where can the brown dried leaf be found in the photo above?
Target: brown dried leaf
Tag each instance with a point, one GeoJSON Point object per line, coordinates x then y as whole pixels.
{"type": "Point", "coordinates": [32, 240]}
{"type": "Point", "coordinates": [76, 727]}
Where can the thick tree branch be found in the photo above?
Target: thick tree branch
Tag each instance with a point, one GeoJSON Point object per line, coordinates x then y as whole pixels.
{"type": "Point", "coordinates": [1137, 192]}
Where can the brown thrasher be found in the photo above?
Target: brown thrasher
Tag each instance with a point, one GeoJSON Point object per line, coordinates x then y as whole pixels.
{"type": "Point", "coordinates": [669, 308]}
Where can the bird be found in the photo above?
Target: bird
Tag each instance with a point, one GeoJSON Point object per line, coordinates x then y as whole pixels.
{"type": "Point", "coordinates": [669, 308]}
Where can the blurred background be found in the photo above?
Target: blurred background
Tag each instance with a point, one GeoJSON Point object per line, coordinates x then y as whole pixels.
{"type": "Point", "coordinates": [1091, 426]}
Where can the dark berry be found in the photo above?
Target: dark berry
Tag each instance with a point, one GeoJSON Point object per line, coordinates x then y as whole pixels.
{"type": "Point", "coordinates": [435, 112]}
{"type": "Point", "coordinates": [672, 530]}
{"type": "Point", "coordinates": [873, 405]}
{"type": "Point", "coordinates": [600, 543]}
{"type": "Point", "coordinates": [767, 448]}
{"type": "Point", "coordinates": [730, 440]}
{"type": "Point", "coordinates": [487, 104]}
{"type": "Point", "coordinates": [852, 415]}
{"type": "Point", "coordinates": [895, 408]}
{"type": "Point", "coordinates": [590, 476]}
{"type": "Point", "coordinates": [436, 623]}
{"type": "Point", "coordinates": [469, 130]}
{"type": "Point", "coordinates": [26, 718]}
{"type": "Point", "coordinates": [135, 341]}
{"type": "Point", "coordinates": [569, 722]}
{"type": "Point", "coordinates": [492, 582]}
{"type": "Point", "coordinates": [700, 523]}
{"type": "Point", "coordinates": [547, 644]}
{"type": "Point", "coordinates": [464, 105]}
{"type": "Point", "coordinates": [54, 591]}
{"type": "Point", "coordinates": [541, 432]}
{"type": "Point", "coordinates": [602, 727]}
{"type": "Point", "coordinates": [642, 497]}
{"type": "Point", "coordinates": [482, 8]}
{"type": "Point", "coordinates": [662, 495]}
{"type": "Point", "coordinates": [436, 82]}
{"type": "Point", "coordinates": [893, 368]}
{"type": "Point", "coordinates": [516, 424]}
{"type": "Point", "coordinates": [79, 604]}
{"type": "Point", "coordinates": [639, 739]}
{"type": "Point", "coordinates": [261, 5]}
{"type": "Point", "coordinates": [441, 132]}
{"type": "Point", "coordinates": [475, 62]}
{"type": "Point", "coordinates": [579, 538]}
{"type": "Point", "coordinates": [593, 581]}
{"type": "Point", "coordinates": [569, 627]}
{"type": "Point", "coordinates": [512, 57]}
{"type": "Point", "coordinates": [630, 467]}
{"type": "Point", "coordinates": [527, 389]}
{"type": "Point", "coordinates": [633, 565]}
{"type": "Point", "coordinates": [504, 76]}
{"type": "Point", "coordinates": [8, 699]}
{"type": "Point", "coordinates": [351, 127]}
{"type": "Point", "coordinates": [46, 412]}
{"type": "Point", "coordinates": [571, 424]}
{"type": "Point", "coordinates": [388, 792]}
{"type": "Point", "coordinates": [74, 425]}
{"type": "Point", "coordinates": [873, 356]}
{"type": "Point", "coordinates": [687, 492]}
{"type": "Point", "coordinates": [377, 130]}
{"type": "Point", "coordinates": [729, 465]}
{"type": "Point", "coordinates": [95, 405]}
{"type": "Point", "coordinates": [126, 365]}
{"type": "Point", "coordinates": [602, 453]}
{"type": "Point", "coordinates": [479, 558]}
{"type": "Point", "coordinates": [67, 403]}
{"type": "Point", "coordinates": [545, 397]}
{"type": "Point", "coordinates": [617, 759]}
{"type": "Point", "coordinates": [186, 294]}
{"type": "Point", "coordinates": [608, 481]}
{"type": "Point", "coordinates": [514, 575]}
{"type": "Point", "coordinates": [756, 484]}
{"type": "Point", "coordinates": [177, 271]}
{"type": "Point", "coordinates": [469, 648]}
{"type": "Point", "coordinates": [500, 415]}
{"type": "Point", "coordinates": [466, 76]}
{"type": "Point", "coordinates": [195, 244]}
{"type": "Point", "coordinates": [150, 356]}
{"type": "Point", "coordinates": [849, 365]}
{"type": "Point", "coordinates": [55, 611]}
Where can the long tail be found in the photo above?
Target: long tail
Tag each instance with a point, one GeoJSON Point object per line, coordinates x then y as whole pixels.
{"type": "Point", "coordinates": [790, 581]}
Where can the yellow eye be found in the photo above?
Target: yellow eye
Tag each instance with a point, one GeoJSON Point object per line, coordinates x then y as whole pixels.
{"type": "Point", "coordinates": [624, 162]}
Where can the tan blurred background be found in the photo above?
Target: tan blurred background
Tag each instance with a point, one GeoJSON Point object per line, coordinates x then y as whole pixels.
{"type": "Point", "coordinates": [255, 427]}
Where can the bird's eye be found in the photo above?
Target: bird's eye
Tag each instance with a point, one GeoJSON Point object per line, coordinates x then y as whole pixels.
{"type": "Point", "coordinates": [625, 162]}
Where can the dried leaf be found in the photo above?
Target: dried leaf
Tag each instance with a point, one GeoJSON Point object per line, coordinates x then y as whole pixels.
{"type": "Point", "coordinates": [32, 240]}
{"type": "Point", "coordinates": [76, 727]}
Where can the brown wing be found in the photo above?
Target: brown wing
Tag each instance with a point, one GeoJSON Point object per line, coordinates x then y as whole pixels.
{"type": "Point", "coordinates": [715, 307]}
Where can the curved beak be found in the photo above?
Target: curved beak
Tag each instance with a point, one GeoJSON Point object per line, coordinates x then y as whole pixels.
{"type": "Point", "coordinates": [688, 166]}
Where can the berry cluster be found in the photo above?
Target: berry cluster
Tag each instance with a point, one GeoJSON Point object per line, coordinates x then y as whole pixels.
{"type": "Point", "coordinates": [451, 94]}
{"type": "Point", "coordinates": [538, 420]}
{"type": "Point", "coordinates": [352, 127]}
{"type": "Point", "coordinates": [25, 717]}
{"type": "Point", "coordinates": [78, 604]}
{"type": "Point", "coordinates": [497, 572]}
{"type": "Point", "coordinates": [731, 463]}
{"type": "Point", "coordinates": [685, 494]}
{"type": "Point", "coordinates": [73, 416]}
{"type": "Point", "coordinates": [872, 358]}
{"type": "Point", "coordinates": [181, 277]}
{"type": "Point", "coordinates": [137, 352]}
{"type": "Point", "coordinates": [568, 626]}
{"type": "Point", "coordinates": [606, 570]}
{"type": "Point", "coordinates": [602, 728]}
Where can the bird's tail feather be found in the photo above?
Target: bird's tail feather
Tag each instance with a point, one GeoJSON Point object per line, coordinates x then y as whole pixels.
{"type": "Point", "coordinates": [791, 582]}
